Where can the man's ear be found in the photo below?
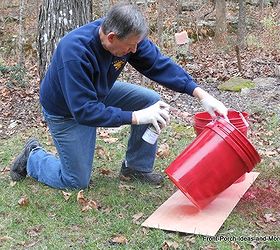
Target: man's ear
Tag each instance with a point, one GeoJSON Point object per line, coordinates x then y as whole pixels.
{"type": "Point", "coordinates": [111, 36]}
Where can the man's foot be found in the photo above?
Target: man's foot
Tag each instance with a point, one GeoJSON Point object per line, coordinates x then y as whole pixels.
{"type": "Point", "coordinates": [18, 168]}
{"type": "Point", "coordinates": [150, 177]}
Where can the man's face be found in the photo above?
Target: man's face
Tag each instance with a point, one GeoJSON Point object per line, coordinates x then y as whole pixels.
{"type": "Point", "coordinates": [120, 47]}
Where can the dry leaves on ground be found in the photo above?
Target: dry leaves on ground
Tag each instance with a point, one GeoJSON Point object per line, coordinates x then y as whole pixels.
{"type": "Point", "coordinates": [23, 201]}
{"type": "Point", "coordinates": [169, 245]}
{"type": "Point", "coordinates": [163, 150]}
{"type": "Point", "coordinates": [235, 246]}
{"type": "Point", "coordinates": [118, 239]}
{"type": "Point", "coordinates": [269, 218]}
{"type": "Point", "coordinates": [66, 195]}
{"type": "Point", "coordinates": [105, 171]}
{"type": "Point", "coordinates": [126, 187]}
{"type": "Point", "coordinates": [85, 203]}
{"type": "Point", "coordinates": [101, 153]}
{"type": "Point", "coordinates": [110, 140]}
{"type": "Point", "coordinates": [137, 217]}
{"type": "Point", "coordinates": [5, 238]}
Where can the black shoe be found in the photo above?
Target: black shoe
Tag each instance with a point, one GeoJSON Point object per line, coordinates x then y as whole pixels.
{"type": "Point", "coordinates": [150, 177]}
{"type": "Point", "coordinates": [18, 168]}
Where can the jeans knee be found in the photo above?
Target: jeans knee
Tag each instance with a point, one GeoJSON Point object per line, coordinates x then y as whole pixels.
{"type": "Point", "coordinates": [153, 97]}
{"type": "Point", "coordinates": [77, 183]}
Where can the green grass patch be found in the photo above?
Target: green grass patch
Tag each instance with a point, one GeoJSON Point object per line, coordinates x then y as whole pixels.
{"type": "Point", "coordinates": [51, 222]}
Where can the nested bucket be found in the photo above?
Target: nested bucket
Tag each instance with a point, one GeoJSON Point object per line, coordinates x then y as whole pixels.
{"type": "Point", "coordinates": [217, 157]}
{"type": "Point", "coordinates": [238, 119]}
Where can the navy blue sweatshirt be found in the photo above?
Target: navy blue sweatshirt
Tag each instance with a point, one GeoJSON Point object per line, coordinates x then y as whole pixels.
{"type": "Point", "coordinates": [82, 73]}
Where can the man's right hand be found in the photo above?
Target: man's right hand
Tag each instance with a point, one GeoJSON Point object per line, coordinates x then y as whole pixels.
{"type": "Point", "coordinates": [157, 114]}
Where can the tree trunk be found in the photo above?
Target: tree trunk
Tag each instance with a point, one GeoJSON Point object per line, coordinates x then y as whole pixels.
{"type": "Point", "coordinates": [105, 6]}
{"type": "Point", "coordinates": [241, 25]}
{"type": "Point", "coordinates": [221, 27]}
{"type": "Point", "coordinates": [160, 23]}
{"type": "Point", "coordinates": [21, 33]}
{"type": "Point", "coordinates": [56, 18]}
{"type": "Point", "coordinates": [261, 4]}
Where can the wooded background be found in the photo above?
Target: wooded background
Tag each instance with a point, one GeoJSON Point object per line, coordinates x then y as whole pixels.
{"type": "Point", "coordinates": [35, 26]}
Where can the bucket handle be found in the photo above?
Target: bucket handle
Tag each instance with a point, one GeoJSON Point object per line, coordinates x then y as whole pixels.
{"type": "Point", "coordinates": [242, 117]}
{"type": "Point", "coordinates": [226, 118]}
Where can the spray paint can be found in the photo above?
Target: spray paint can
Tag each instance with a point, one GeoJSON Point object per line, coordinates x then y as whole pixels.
{"type": "Point", "coordinates": [150, 135]}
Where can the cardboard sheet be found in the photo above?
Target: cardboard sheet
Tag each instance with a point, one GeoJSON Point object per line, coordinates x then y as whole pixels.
{"type": "Point", "coordinates": [179, 214]}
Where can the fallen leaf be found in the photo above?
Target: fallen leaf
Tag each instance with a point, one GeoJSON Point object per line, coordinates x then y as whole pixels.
{"type": "Point", "coordinates": [31, 244]}
{"type": "Point", "coordinates": [126, 187]}
{"type": "Point", "coordinates": [107, 210]}
{"type": "Point", "coordinates": [269, 218]}
{"type": "Point", "coordinates": [86, 208]}
{"type": "Point", "coordinates": [235, 246]}
{"type": "Point", "coordinates": [104, 171]}
{"type": "Point", "coordinates": [93, 204]}
{"type": "Point", "coordinates": [35, 231]}
{"type": "Point", "coordinates": [209, 247]}
{"type": "Point", "coordinates": [270, 153]}
{"type": "Point", "coordinates": [119, 239]}
{"type": "Point", "coordinates": [23, 201]}
{"type": "Point", "coordinates": [137, 217]}
{"type": "Point", "coordinates": [103, 134]}
{"type": "Point", "coordinates": [81, 199]}
{"type": "Point", "coordinates": [169, 245]}
{"type": "Point", "coordinates": [144, 230]}
{"type": "Point", "coordinates": [270, 133]}
{"type": "Point", "coordinates": [5, 170]}
{"type": "Point", "coordinates": [189, 240]}
{"type": "Point", "coordinates": [124, 178]}
{"type": "Point", "coordinates": [163, 150]}
{"type": "Point", "coordinates": [13, 183]}
{"type": "Point", "coordinates": [66, 195]}
{"type": "Point", "coordinates": [5, 238]}
{"type": "Point", "coordinates": [101, 153]}
{"type": "Point", "coordinates": [85, 203]}
{"type": "Point", "coordinates": [259, 224]}
{"type": "Point", "coordinates": [110, 140]}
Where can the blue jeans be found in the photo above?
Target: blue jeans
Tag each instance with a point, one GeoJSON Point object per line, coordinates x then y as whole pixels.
{"type": "Point", "coordinates": [75, 143]}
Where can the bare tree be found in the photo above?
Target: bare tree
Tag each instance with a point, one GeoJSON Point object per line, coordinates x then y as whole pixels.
{"type": "Point", "coordinates": [21, 33]}
{"type": "Point", "coordinates": [241, 25]}
{"type": "Point", "coordinates": [105, 6]}
{"type": "Point", "coordinates": [160, 23]}
{"type": "Point", "coordinates": [221, 27]}
{"type": "Point", "coordinates": [56, 18]}
{"type": "Point", "coordinates": [261, 4]}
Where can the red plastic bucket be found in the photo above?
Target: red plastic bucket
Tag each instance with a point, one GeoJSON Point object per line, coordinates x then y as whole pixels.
{"type": "Point", "coordinates": [201, 119]}
{"type": "Point", "coordinates": [217, 157]}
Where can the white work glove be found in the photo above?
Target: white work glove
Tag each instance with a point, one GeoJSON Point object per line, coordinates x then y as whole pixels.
{"type": "Point", "coordinates": [211, 104]}
{"type": "Point", "coordinates": [157, 114]}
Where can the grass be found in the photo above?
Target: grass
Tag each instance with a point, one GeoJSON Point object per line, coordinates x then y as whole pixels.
{"type": "Point", "coordinates": [51, 222]}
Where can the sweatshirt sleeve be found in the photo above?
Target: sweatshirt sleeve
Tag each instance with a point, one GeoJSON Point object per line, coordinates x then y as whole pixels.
{"type": "Point", "coordinates": [82, 99]}
{"type": "Point", "coordinates": [150, 62]}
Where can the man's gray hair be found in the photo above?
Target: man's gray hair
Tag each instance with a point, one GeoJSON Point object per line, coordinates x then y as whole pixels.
{"type": "Point", "coordinates": [124, 20]}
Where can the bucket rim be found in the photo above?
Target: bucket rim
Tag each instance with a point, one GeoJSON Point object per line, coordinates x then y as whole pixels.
{"type": "Point", "coordinates": [205, 116]}
{"type": "Point", "coordinates": [238, 150]}
{"type": "Point", "coordinates": [184, 191]}
{"type": "Point", "coordinates": [239, 141]}
{"type": "Point", "coordinates": [243, 141]}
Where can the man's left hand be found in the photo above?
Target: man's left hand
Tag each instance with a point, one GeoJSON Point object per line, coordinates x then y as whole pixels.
{"type": "Point", "coordinates": [211, 105]}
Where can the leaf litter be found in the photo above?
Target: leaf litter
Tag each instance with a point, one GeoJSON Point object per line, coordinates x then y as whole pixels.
{"type": "Point", "coordinates": [85, 203]}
